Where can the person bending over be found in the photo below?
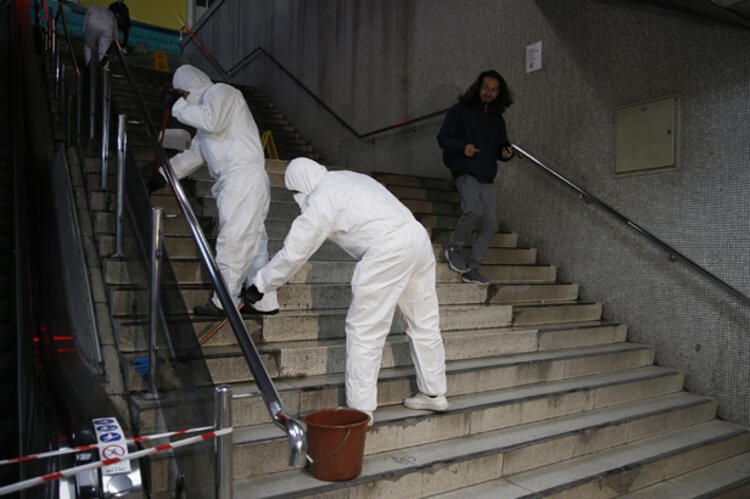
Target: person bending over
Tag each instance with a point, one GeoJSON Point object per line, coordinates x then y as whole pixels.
{"type": "Point", "coordinates": [396, 267]}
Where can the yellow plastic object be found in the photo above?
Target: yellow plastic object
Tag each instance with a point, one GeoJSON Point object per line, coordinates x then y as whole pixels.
{"type": "Point", "coordinates": [269, 146]}
{"type": "Point", "coordinates": [160, 61]}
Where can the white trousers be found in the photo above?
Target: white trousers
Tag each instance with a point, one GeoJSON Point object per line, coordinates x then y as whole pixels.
{"type": "Point", "coordinates": [243, 201]}
{"type": "Point", "coordinates": [399, 271]}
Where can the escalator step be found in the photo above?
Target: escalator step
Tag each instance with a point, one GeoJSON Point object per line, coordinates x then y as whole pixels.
{"type": "Point", "coordinates": [6, 314]}
{"type": "Point", "coordinates": [7, 342]}
{"type": "Point", "coordinates": [6, 264]}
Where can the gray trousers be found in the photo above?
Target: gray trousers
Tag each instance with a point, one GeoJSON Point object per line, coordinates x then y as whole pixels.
{"type": "Point", "coordinates": [478, 215]}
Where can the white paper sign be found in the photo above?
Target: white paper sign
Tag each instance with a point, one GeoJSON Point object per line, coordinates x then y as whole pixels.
{"type": "Point", "coordinates": [111, 441]}
{"type": "Point", "coordinates": [534, 57]}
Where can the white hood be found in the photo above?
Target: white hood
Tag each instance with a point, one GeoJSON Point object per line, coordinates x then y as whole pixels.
{"type": "Point", "coordinates": [302, 176]}
{"type": "Point", "coordinates": [192, 79]}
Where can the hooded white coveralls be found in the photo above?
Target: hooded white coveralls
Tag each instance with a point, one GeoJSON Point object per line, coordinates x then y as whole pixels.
{"type": "Point", "coordinates": [227, 140]}
{"type": "Point", "coordinates": [99, 31]}
{"type": "Point", "coordinates": [396, 267]}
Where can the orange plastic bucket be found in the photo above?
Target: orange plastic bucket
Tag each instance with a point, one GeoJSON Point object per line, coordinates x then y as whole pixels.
{"type": "Point", "coordinates": [336, 443]}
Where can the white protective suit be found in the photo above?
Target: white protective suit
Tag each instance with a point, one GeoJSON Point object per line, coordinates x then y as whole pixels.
{"type": "Point", "coordinates": [396, 267]}
{"type": "Point", "coordinates": [99, 31]}
{"type": "Point", "coordinates": [227, 140]}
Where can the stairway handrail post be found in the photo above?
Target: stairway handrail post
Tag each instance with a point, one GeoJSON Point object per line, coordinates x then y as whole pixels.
{"type": "Point", "coordinates": [122, 145]}
{"type": "Point", "coordinates": [224, 445]}
{"type": "Point", "coordinates": [93, 101]}
{"type": "Point", "coordinates": [106, 110]}
{"type": "Point", "coordinates": [154, 299]}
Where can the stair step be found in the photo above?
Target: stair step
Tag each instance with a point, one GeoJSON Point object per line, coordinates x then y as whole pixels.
{"type": "Point", "coordinates": [393, 179]}
{"type": "Point", "coordinates": [538, 373]}
{"type": "Point", "coordinates": [307, 358]}
{"type": "Point", "coordinates": [420, 193]}
{"type": "Point", "coordinates": [619, 471]}
{"type": "Point", "coordinates": [126, 300]}
{"type": "Point", "coordinates": [727, 478]}
{"type": "Point", "coordinates": [462, 457]}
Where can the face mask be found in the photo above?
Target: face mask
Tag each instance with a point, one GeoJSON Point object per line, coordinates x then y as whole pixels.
{"type": "Point", "coordinates": [301, 200]}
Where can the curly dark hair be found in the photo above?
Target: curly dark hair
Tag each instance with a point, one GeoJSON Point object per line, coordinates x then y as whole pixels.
{"type": "Point", "coordinates": [499, 105]}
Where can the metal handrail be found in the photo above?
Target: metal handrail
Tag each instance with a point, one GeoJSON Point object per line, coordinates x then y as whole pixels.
{"type": "Point", "coordinates": [227, 75]}
{"type": "Point", "coordinates": [66, 32]}
{"type": "Point", "coordinates": [671, 253]}
{"type": "Point", "coordinates": [271, 398]}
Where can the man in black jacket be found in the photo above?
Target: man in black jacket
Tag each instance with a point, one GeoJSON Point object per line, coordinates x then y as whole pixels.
{"type": "Point", "coordinates": [473, 138]}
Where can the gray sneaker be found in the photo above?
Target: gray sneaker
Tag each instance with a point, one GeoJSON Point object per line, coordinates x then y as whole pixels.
{"type": "Point", "coordinates": [473, 276]}
{"type": "Point", "coordinates": [456, 260]}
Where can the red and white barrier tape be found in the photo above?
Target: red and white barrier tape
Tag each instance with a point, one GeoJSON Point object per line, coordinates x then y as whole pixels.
{"type": "Point", "coordinates": [83, 448]}
{"type": "Point", "coordinates": [107, 462]}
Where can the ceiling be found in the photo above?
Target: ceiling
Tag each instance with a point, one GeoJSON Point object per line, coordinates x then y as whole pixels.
{"type": "Point", "coordinates": [735, 12]}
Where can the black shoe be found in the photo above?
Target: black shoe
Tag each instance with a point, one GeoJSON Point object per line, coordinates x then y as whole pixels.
{"type": "Point", "coordinates": [248, 309]}
{"type": "Point", "coordinates": [208, 309]}
{"type": "Point", "coordinates": [473, 276]}
{"type": "Point", "coordinates": [456, 260]}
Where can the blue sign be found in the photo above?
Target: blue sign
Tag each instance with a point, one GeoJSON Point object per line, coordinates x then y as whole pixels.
{"type": "Point", "coordinates": [109, 437]}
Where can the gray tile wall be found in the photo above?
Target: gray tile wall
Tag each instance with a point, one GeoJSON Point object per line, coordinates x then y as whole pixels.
{"type": "Point", "coordinates": [379, 62]}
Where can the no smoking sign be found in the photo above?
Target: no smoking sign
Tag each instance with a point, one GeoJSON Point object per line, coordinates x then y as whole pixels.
{"type": "Point", "coordinates": [113, 451]}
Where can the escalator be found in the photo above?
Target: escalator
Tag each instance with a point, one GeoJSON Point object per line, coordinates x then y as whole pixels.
{"type": "Point", "coordinates": [50, 399]}
{"type": "Point", "coordinates": [8, 366]}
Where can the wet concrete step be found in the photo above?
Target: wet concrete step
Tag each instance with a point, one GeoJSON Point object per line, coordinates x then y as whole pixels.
{"type": "Point", "coordinates": [727, 478]}
{"type": "Point", "coordinates": [630, 471]}
{"type": "Point", "coordinates": [451, 455]}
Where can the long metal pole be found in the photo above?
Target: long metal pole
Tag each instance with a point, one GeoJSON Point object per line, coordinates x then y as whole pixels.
{"type": "Point", "coordinates": [154, 299]}
{"type": "Point", "coordinates": [122, 149]}
{"type": "Point", "coordinates": [93, 84]}
{"type": "Point", "coordinates": [106, 110]}
{"type": "Point", "coordinates": [79, 108]}
{"type": "Point", "coordinates": [62, 102]}
{"type": "Point", "coordinates": [223, 445]}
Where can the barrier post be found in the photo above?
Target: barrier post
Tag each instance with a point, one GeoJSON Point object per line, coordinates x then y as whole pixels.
{"type": "Point", "coordinates": [93, 80]}
{"type": "Point", "coordinates": [223, 445]}
{"type": "Point", "coordinates": [106, 110]}
{"type": "Point", "coordinates": [62, 102]}
{"type": "Point", "coordinates": [122, 148]}
{"type": "Point", "coordinates": [79, 108]}
{"type": "Point", "coordinates": [154, 299]}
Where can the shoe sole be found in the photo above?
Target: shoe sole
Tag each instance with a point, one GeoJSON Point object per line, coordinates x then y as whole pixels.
{"type": "Point", "coordinates": [471, 281]}
{"type": "Point", "coordinates": [426, 407]}
{"type": "Point", "coordinates": [453, 267]}
{"type": "Point", "coordinates": [259, 312]}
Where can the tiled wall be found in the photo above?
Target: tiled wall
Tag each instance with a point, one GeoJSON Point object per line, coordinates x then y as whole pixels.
{"type": "Point", "coordinates": [380, 62]}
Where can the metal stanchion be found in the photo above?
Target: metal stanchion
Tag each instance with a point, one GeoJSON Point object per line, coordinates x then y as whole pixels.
{"type": "Point", "coordinates": [62, 103]}
{"type": "Point", "coordinates": [93, 80]}
{"type": "Point", "coordinates": [106, 110]}
{"type": "Point", "coordinates": [58, 68]}
{"type": "Point", "coordinates": [223, 445]}
{"type": "Point", "coordinates": [79, 107]}
{"type": "Point", "coordinates": [154, 299]}
{"type": "Point", "coordinates": [122, 148]}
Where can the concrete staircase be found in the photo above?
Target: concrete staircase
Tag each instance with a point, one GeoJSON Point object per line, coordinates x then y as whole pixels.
{"type": "Point", "coordinates": [547, 396]}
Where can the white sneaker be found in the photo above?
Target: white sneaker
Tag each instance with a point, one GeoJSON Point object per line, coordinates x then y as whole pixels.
{"type": "Point", "coordinates": [372, 418]}
{"type": "Point", "coordinates": [422, 401]}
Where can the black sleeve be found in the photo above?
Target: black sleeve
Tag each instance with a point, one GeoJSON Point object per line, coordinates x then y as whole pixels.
{"type": "Point", "coordinates": [452, 135]}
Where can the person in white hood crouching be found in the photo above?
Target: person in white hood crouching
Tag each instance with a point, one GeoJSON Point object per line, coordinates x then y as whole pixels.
{"type": "Point", "coordinates": [227, 140]}
{"type": "Point", "coordinates": [396, 266]}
